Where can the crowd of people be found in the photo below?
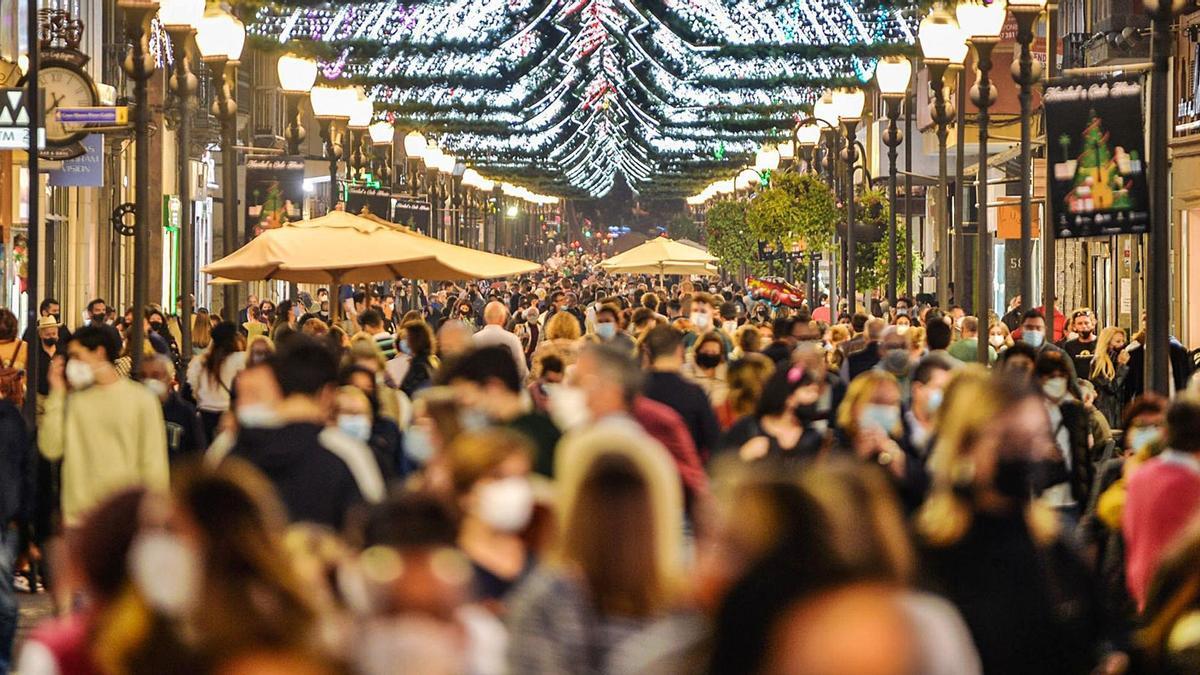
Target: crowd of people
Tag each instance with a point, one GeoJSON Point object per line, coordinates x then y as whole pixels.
{"type": "Point", "coordinates": [574, 472]}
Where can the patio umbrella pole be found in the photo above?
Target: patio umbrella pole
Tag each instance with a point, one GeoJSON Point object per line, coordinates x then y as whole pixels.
{"type": "Point", "coordinates": [335, 298]}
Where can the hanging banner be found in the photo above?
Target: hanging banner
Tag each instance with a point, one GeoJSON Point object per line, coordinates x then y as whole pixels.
{"type": "Point", "coordinates": [413, 212]}
{"type": "Point", "coordinates": [86, 170]}
{"type": "Point", "coordinates": [376, 201]}
{"type": "Point", "coordinates": [274, 192]}
{"type": "Point", "coordinates": [1094, 139]}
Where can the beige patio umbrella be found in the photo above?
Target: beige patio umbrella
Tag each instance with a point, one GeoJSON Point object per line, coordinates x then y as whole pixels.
{"type": "Point", "coordinates": [452, 262]}
{"type": "Point", "coordinates": [662, 256]}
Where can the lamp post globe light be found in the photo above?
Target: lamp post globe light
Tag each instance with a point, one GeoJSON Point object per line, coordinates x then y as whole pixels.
{"type": "Point", "coordinates": [139, 66]}
{"type": "Point", "coordinates": [296, 78]}
{"type": "Point", "coordinates": [982, 22]}
{"type": "Point", "coordinates": [893, 75]}
{"type": "Point", "coordinates": [383, 136]}
{"type": "Point", "coordinates": [1026, 72]}
{"type": "Point", "coordinates": [414, 150]}
{"type": "Point", "coordinates": [1158, 285]}
{"type": "Point", "coordinates": [361, 112]}
{"type": "Point", "coordinates": [942, 44]}
{"type": "Point", "coordinates": [219, 39]}
{"type": "Point", "coordinates": [848, 104]}
{"type": "Point", "coordinates": [180, 18]}
{"type": "Point", "coordinates": [330, 108]}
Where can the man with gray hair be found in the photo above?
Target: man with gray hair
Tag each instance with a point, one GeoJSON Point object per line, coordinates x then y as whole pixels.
{"type": "Point", "coordinates": [610, 382]}
{"type": "Point", "coordinates": [185, 433]}
{"type": "Point", "coordinates": [493, 333]}
{"type": "Point", "coordinates": [867, 358]}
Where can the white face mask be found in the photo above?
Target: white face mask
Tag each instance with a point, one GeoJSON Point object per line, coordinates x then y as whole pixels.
{"type": "Point", "coordinates": [568, 407]}
{"type": "Point", "coordinates": [730, 327]}
{"type": "Point", "coordinates": [506, 504]}
{"type": "Point", "coordinates": [355, 426]}
{"type": "Point", "coordinates": [257, 416]}
{"type": "Point", "coordinates": [418, 444]}
{"type": "Point", "coordinates": [701, 320]}
{"type": "Point", "coordinates": [157, 387]}
{"type": "Point", "coordinates": [79, 374]}
{"type": "Point", "coordinates": [996, 340]}
{"type": "Point", "coordinates": [166, 572]}
{"type": "Point", "coordinates": [1055, 387]}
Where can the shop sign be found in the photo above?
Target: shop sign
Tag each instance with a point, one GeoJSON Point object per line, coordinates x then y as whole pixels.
{"type": "Point", "coordinates": [14, 121]}
{"type": "Point", "coordinates": [362, 199]}
{"type": "Point", "coordinates": [274, 192]}
{"type": "Point", "coordinates": [1095, 143]}
{"type": "Point", "coordinates": [86, 170]}
{"type": "Point", "coordinates": [414, 213]}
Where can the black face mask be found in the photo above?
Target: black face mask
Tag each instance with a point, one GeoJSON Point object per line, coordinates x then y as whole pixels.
{"type": "Point", "coordinates": [97, 319]}
{"type": "Point", "coordinates": [806, 413]}
{"type": "Point", "coordinates": [50, 341]}
{"type": "Point", "coordinates": [156, 327]}
{"type": "Point", "coordinates": [1014, 478]}
{"type": "Point", "coordinates": [708, 360]}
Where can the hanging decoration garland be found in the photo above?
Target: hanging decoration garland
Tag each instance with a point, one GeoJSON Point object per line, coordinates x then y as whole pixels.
{"type": "Point", "coordinates": [581, 92]}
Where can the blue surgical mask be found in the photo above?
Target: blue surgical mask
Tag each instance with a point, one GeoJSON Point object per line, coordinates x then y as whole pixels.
{"type": "Point", "coordinates": [606, 331]}
{"type": "Point", "coordinates": [404, 348]}
{"type": "Point", "coordinates": [355, 426]}
{"type": "Point", "coordinates": [884, 418]}
{"type": "Point", "coordinates": [418, 444]}
{"type": "Point", "coordinates": [1140, 437]}
{"type": "Point", "coordinates": [1033, 338]}
{"type": "Point", "coordinates": [935, 400]}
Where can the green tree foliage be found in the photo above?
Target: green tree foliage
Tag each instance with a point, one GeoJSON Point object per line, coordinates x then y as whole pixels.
{"type": "Point", "coordinates": [797, 207]}
{"type": "Point", "coordinates": [872, 208]}
{"type": "Point", "coordinates": [730, 240]}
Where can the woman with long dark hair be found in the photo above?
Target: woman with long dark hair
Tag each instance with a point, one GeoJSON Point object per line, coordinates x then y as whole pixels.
{"type": "Point", "coordinates": [211, 375]}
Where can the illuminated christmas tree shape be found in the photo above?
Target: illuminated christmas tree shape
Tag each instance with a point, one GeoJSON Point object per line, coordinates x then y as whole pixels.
{"type": "Point", "coordinates": [574, 92]}
{"type": "Point", "coordinates": [1098, 184]}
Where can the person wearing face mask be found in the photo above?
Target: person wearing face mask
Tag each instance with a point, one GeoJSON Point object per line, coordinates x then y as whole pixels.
{"type": "Point", "coordinates": [871, 428]}
{"type": "Point", "coordinates": [1108, 371]}
{"type": "Point", "coordinates": [1033, 333]}
{"type": "Point", "coordinates": [780, 428]}
{"type": "Point", "coordinates": [185, 433]}
{"type": "Point", "coordinates": [980, 518]}
{"type": "Point", "coordinates": [1069, 422]}
{"type": "Point", "coordinates": [356, 415]}
{"type": "Point", "coordinates": [107, 430]}
{"type": "Point", "coordinates": [48, 308]}
{"type": "Point", "coordinates": [490, 471]}
{"type": "Point", "coordinates": [998, 337]}
{"type": "Point", "coordinates": [704, 317]}
{"type": "Point", "coordinates": [927, 393]}
{"type": "Point", "coordinates": [48, 339]}
{"type": "Point", "coordinates": [863, 360]}
{"type": "Point", "coordinates": [1081, 347]}
{"type": "Point", "coordinates": [609, 330]}
{"type": "Point", "coordinates": [706, 367]}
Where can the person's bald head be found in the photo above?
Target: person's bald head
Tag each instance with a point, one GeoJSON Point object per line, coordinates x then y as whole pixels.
{"type": "Point", "coordinates": [495, 314]}
{"type": "Point", "coordinates": [874, 328]}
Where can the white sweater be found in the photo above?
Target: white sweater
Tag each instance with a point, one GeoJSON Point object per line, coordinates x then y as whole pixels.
{"type": "Point", "coordinates": [211, 395]}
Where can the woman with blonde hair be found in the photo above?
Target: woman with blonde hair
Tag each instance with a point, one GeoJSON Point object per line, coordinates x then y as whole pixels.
{"type": "Point", "coordinates": [562, 340]}
{"type": "Point", "coordinates": [616, 563]}
{"type": "Point", "coordinates": [837, 335]}
{"type": "Point", "coordinates": [981, 517]}
{"type": "Point", "coordinates": [1110, 367]}
{"type": "Point", "coordinates": [746, 379]}
{"type": "Point", "coordinates": [201, 331]}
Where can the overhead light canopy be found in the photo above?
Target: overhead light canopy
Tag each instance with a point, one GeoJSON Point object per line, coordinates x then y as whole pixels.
{"type": "Point", "coordinates": [220, 36]}
{"type": "Point", "coordinates": [180, 14]}
{"type": "Point", "coordinates": [328, 102]}
{"type": "Point", "coordinates": [848, 103]}
{"type": "Point", "coordinates": [297, 74]}
{"type": "Point", "coordinates": [941, 38]}
{"type": "Point", "coordinates": [893, 74]}
{"type": "Point", "coordinates": [981, 19]}
{"type": "Point", "coordinates": [414, 144]}
{"type": "Point", "coordinates": [382, 133]}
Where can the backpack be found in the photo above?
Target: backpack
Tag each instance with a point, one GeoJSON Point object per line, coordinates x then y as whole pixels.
{"type": "Point", "coordinates": [12, 379]}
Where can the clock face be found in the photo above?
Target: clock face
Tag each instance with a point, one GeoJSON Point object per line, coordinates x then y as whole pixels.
{"type": "Point", "coordinates": [64, 88]}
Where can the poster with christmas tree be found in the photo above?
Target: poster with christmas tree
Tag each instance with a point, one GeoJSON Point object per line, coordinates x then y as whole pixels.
{"type": "Point", "coordinates": [274, 192]}
{"type": "Point", "coordinates": [1097, 177]}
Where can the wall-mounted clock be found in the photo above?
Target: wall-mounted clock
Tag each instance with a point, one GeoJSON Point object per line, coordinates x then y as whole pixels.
{"type": "Point", "coordinates": [64, 85]}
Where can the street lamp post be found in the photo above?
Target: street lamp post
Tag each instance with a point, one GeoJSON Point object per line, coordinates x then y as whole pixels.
{"type": "Point", "coordinates": [893, 75]}
{"type": "Point", "coordinates": [983, 23]}
{"type": "Point", "coordinates": [358, 124]}
{"type": "Point", "coordinates": [139, 66]}
{"type": "Point", "coordinates": [942, 44]}
{"type": "Point", "coordinates": [825, 116]}
{"type": "Point", "coordinates": [1026, 72]}
{"type": "Point", "coordinates": [414, 150]}
{"type": "Point", "coordinates": [383, 135]}
{"type": "Point", "coordinates": [180, 18]}
{"type": "Point", "coordinates": [1158, 286]}
{"type": "Point", "coordinates": [220, 38]}
{"type": "Point", "coordinates": [331, 106]}
{"type": "Point", "coordinates": [849, 104]}
{"type": "Point", "coordinates": [296, 78]}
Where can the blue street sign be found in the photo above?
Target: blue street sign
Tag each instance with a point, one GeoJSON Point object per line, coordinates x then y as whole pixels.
{"type": "Point", "coordinates": [92, 115]}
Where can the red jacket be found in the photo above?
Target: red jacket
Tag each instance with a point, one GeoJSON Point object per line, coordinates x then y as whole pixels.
{"type": "Point", "coordinates": [1161, 499]}
{"type": "Point", "coordinates": [667, 427]}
